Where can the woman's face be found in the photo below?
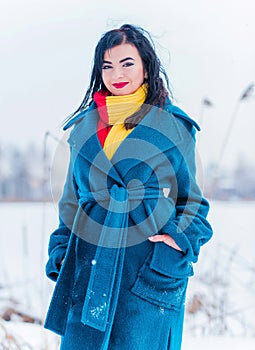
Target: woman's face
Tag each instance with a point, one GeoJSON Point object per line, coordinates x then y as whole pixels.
{"type": "Point", "coordinates": [122, 70]}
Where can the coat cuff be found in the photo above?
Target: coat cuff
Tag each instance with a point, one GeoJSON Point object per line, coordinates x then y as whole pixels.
{"type": "Point", "coordinates": [170, 262]}
{"type": "Point", "coordinates": [54, 264]}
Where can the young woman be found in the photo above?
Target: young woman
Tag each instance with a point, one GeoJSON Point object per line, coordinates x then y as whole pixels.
{"type": "Point", "coordinates": [132, 216]}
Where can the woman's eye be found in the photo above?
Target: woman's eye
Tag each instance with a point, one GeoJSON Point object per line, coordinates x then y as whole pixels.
{"type": "Point", "coordinates": [106, 67]}
{"type": "Point", "coordinates": [128, 64]}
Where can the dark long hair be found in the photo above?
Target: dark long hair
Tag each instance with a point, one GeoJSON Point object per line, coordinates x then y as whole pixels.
{"type": "Point", "coordinates": [141, 39]}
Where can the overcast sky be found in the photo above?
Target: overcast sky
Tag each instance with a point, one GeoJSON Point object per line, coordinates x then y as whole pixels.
{"type": "Point", "coordinates": [207, 48]}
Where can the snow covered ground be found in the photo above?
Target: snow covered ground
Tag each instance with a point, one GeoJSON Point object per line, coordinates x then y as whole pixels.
{"type": "Point", "coordinates": [221, 296]}
{"type": "Point", "coordinates": [218, 343]}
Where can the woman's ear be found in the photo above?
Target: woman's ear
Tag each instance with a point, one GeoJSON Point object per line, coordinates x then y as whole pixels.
{"type": "Point", "coordinates": [145, 75]}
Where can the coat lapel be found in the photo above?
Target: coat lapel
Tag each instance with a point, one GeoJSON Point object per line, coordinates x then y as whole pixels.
{"type": "Point", "coordinates": [156, 133]}
{"type": "Point", "coordinates": [84, 140]}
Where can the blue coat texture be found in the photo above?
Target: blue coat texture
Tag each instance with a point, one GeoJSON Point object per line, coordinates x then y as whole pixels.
{"type": "Point", "coordinates": [115, 285]}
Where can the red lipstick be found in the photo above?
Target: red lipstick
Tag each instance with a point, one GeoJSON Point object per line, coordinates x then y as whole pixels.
{"type": "Point", "coordinates": [120, 85]}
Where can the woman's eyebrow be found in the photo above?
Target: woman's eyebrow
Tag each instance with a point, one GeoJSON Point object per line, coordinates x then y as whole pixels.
{"type": "Point", "coordinates": [121, 61]}
{"type": "Point", "coordinates": [126, 59]}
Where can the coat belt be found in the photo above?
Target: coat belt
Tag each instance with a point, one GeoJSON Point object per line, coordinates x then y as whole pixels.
{"type": "Point", "coordinates": [104, 283]}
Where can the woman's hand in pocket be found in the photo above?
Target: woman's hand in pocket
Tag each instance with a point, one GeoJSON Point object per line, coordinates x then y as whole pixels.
{"type": "Point", "coordinates": [165, 239]}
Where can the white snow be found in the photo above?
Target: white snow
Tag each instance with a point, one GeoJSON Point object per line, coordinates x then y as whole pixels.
{"type": "Point", "coordinates": [218, 343]}
{"type": "Point", "coordinates": [20, 335]}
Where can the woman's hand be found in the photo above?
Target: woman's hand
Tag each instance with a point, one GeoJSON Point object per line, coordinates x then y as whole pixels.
{"type": "Point", "coordinates": [165, 239]}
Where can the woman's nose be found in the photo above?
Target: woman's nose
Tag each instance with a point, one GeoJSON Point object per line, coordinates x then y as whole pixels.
{"type": "Point", "coordinates": [118, 73]}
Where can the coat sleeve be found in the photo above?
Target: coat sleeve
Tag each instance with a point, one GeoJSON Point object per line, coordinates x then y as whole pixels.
{"type": "Point", "coordinates": [189, 226]}
{"type": "Point", "coordinates": [59, 239]}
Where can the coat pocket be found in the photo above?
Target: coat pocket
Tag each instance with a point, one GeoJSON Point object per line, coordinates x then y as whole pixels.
{"type": "Point", "coordinates": [160, 289]}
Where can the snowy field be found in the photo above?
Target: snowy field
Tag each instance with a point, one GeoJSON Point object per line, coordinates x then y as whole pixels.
{"type": "Point", "coordinates": [221, 296]}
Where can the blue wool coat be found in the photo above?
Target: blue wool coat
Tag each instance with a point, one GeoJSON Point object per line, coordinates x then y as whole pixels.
{"type": "Point", "coordinates": [114, 284]}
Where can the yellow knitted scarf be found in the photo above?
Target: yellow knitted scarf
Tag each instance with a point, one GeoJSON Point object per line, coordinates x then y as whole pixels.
{"type": "Point", "coordinates": [119, 108]}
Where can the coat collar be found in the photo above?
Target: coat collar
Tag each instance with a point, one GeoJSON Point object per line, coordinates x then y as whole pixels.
{"type": "Point", "coordinates": [159, 131]}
